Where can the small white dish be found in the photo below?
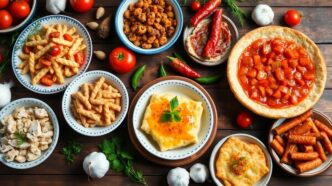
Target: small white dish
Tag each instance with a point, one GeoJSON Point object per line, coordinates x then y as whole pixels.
{"type": "Point", "coordinates": [28, 102]}
{"type": "Point", "coordinates": [171, 41]}
{"type": "Point", "coordinates": [74, 87]}
{"type": "Point", "coordinates": [181, 88]}
{"type": "Point", "coordinates": [25, 80]}
{"type": "Point", "coordinates": [234, 37]}
{"type": "Point", "coordinates": [246, 138]}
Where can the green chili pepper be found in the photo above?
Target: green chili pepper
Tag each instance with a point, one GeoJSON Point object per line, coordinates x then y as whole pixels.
{"type": "Point", "coordinates": [137, 76]}
{"type": "Point", "coordinates": [162, 71]}
{"type": "Point", "coordinates": [179, 57]}
{"type": "Point", "coordinates": [209, 79]}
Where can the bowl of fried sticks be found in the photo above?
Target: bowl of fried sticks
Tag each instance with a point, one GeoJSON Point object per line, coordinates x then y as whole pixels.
{"type": "Point", "coordinates": [302, 145]}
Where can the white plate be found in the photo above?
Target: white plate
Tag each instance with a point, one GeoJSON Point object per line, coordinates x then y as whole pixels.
{"type": "Point", "coordinates": [34, 27]}
{"type": "Point", "coordinates": [74, 87]}
{"type": "Point", "coordinates": [181, 88]}
{"type": "Point", "coordinates": [249, 139]}
{"type": "Point", "coordinates": [28, 102]}
{"type": "Point", "coordinates": [234, 37]}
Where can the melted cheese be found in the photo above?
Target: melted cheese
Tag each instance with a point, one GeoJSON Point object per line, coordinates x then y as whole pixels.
{"type": "Point", "coordinates": [172, 135]}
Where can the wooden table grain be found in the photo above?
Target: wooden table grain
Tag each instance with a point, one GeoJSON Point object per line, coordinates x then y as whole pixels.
{"type": "Point", "coordinates": [316, 23]}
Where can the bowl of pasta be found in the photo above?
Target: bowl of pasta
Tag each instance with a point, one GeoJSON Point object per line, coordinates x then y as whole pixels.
{"type": "Point", "coordinates": [50, 53]}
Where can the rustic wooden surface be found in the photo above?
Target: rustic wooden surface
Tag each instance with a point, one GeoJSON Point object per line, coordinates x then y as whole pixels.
{"type": "Point", "coordinates": [317, 24]}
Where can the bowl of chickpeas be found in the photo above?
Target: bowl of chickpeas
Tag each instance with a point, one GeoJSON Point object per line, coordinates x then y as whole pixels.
{"type": "Point", "coordinates": [149, 26]}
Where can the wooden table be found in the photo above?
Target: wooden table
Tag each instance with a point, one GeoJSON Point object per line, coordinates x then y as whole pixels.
{"type": "Point", "coordinates": [316, 23]}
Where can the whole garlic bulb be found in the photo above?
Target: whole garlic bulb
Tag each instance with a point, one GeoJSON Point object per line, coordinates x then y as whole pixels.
{"type": "Point", "coordinates": [199, 173]}
{"type": "Point", "coordinates": [178, 177]}
{"type": "Point", "coordinates": [56, 6]}
{"type": "Point", "coordinates": [6, 95]}
{"type": "Point", "coordinates": [96, 165]}
{"type": "Point", "coordinates": [262, 14]}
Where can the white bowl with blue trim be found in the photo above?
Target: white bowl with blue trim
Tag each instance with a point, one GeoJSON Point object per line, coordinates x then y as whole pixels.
{"type": "Point", "coordinates": [182, 87]}
{"type": "Point", "coordinates": [25, 80]}
{"type": "Point", "coordinates": [90, 77]}
{"type": "Point", "coordinates": [30, 102]}
{"type": "Point", "coordinates": [119, 28]}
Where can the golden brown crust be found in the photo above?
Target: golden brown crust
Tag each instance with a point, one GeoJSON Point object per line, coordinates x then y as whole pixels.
{"type": "Point", "coordinates": [289, 34]}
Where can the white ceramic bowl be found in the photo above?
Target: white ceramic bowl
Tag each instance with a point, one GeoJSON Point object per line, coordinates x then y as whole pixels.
{"type": "Point", "coordinates": [33, 8]}
{"type": "Point", "coordinates": [234, 37]}
{"type": "Point", "coordinates": [28, 102]}
{"type": "Point", "coordinates": [246, 138]}
{"type": "Point", "coordinates": [25, 80]}
{"type": "Point", "coordinates": [119, 28]}
{"type": "Point", "coordinates": [290, 169]}
{"type": "Point", "coordinates": [92, 76]}
{"type": "Point", "coordinates": [181, 88]}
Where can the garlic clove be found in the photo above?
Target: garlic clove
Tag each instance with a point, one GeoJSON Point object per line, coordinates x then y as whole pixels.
{"type": "Point", "coordinates": [92, 25]}
{"type": "Point", "coordinates": [100, 12]}
{"type": "Point", "coordinates": [199, 173]}
{"type": "Point", "coordinates": [6, 95]}
{"type": "Point", "coordinates": [100, 55]}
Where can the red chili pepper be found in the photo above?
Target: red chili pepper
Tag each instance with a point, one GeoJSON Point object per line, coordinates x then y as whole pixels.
{"type": "Point", "coordinates": [183, 68]}
{"type": "Point", "coordinates": [215, 34]}
{"type": "Point", "coordinates": [205, 11]}
{"type": "Point", "coordinates": [1, 58]}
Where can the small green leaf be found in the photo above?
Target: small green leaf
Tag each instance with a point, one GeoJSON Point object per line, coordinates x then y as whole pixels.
{"type": "Point", "coordinates": [111, 157]}
{"type": "Point", "coordinates": [167, 116]}
{"type": "Point", "coordinates": [116, 165]}
{"type": "Point", "coordinates": [176, 117]}
{"type": "Point", "coordinates": [126, 155]}
{"type": "Point", "coordinates": [174, 103]}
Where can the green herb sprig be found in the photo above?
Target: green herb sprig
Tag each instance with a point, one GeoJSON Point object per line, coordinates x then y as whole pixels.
{"type": "Point", "coordinates": [73, 149]}
{"type": "Point", "coordinates": [172, 114]}
{"type": "Point", "coordinates": [20, 138]}
{"type": "Point", "coordinates": [236, 11]}
{"type": "Point", "coordinates": [121, 160]}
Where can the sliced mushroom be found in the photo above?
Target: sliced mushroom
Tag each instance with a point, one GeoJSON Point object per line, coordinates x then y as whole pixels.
{"type": "Point", "coordinates": [35, 128]}
{"type": "Point", "coordinates": [10, 155]}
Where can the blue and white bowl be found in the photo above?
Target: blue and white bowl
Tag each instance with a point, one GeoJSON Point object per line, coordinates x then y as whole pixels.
{"type": "Point", "coordinates": [29, 102]}
{"type": "Point", "coordinates": [21, 25]}
{"type": "Point", "coordinates": [25, 80]}
{"type": "Point", "coordinates": [90, 77]}
{"type": "Point", "coordinates": [119, 28]}
{"type": "Point", "coordinates": [181, 88]}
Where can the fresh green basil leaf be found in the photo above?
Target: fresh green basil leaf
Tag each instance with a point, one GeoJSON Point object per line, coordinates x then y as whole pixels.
{"type": "Point", "coordinates": [167, 116]}
{"type": "Point", "coordinates": [111, 157]}
{"type": "Point", "coordinates": [174, 103]}
{"type": "Point", "coordinates": [116, 165]}
{"type": "Point", "coordinates": [176, 117]}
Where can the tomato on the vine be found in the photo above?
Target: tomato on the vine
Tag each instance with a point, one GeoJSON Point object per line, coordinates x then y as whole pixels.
{"type": "Point", "coordinates": [81, 6]}
{"type": "Point", "coordinates": [3, 3]}
{"type": "Point", "coordinates": [6, 19]}
{"type": "Point", "coordinates": [195, 6]}
{"type": "Point", "coordinates": [122, 60]}
{"type": "Point", "coordinates": [244, 119]}
{"type": "Point", "coordinates": [292, 17]}
{"type": "Point", "coordinates": [19, 9]}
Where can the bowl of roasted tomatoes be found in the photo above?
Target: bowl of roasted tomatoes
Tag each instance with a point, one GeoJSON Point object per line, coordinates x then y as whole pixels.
{"type": "Point", "coordinates": [15, 14]}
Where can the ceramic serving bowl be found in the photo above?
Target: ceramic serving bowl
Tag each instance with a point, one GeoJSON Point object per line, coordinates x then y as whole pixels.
{"type": "Point", "coordinates": [290, 169]}
{"type": "Point", "coordinates": [28, 102]}
{"type": "Point", "coordinates": [34, 27]}
{"type": "Point", "coordinates": [119, 28]}
{"type": "Point", "coordinates": [21, 25]}
{"type": "Point", "coordinates": [87, 77]}
{"type": "Point", "coordinates": [248, 139]}
{"type": "Point", "coordinates": [182, 87]}
{"type": "Point", "coordinates": [234, 37]}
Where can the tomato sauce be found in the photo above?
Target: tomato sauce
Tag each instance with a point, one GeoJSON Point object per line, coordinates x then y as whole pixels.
{"type": "Point", "coordinates": [276, 72]}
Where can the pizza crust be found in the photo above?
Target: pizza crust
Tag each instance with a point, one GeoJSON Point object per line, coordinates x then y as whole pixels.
{"type": "Point", "coordinates": [288, 34]}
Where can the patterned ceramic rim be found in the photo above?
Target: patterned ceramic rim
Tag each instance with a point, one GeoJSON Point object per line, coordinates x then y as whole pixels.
{"type": "Point", "coordinates": [25, 79]}
{"type": "Point", "coordinates": [250, 137]}
{"type": "Point", "coordinates": [32, 102]}
{"type": "Point", "coordinates": [322, 168]}
{"type": "Point", "coordinates": [96, 131]}
{"type": "Point", "coordinates": [136, 120]}
{"type": "Point", "coordinates": [129, 44]}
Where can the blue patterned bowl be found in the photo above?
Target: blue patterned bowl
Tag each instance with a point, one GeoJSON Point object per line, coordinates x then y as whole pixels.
{"type": "Point", "coordinates": [34, 27]}
{"type": "Point", "coordinates": [119, 28]}
{"type": "Point", "coordinates": [28, 102]}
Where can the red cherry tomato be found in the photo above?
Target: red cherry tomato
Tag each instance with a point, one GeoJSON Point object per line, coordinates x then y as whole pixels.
{"type": "Point", "coordinates": [122, 60]}
{"type": "Point", "coordinates": [292, 17]}
{"type": "Point", "coordinates": [6, 19]}
{"type": "Point", "coordinates": [79, 58]}
{"type": "Point", "coordinates": [55, 34]}
{"type": "Point", "coordinates": [195, 6]}
{"type": "Point", "coordinates": [19, 9]}
{"type": "Point", "coordinates": [67, 37]}
{"type": "Point", "coordinates": [45, 62]}
{"type": "Point", "coordinates": [244, 119]}
{"type": "Point", "coordinates": [46, 80]}
{"type": "Point", "coordinates": [3, 3]}
{"type": "Point", "coordinates": [55, 50]}
{"type": "Point", "coordinates": [81, 6]}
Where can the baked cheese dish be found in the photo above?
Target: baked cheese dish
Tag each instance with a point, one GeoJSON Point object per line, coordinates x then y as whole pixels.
{"type": "Point", "coordinates": [172, 134]}
{"type": "Point", "coordinates": [240, 163]}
